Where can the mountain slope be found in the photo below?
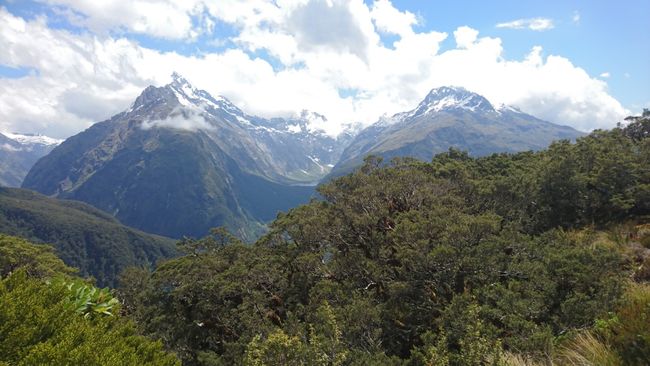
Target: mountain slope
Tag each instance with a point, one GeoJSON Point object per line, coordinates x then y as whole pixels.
{"type": "Point", "coordinates": [179, 162]}
{"type": "Point", "coordinates": [452, 117]}
{"type": "Point", "coordinates": [84, 237]}
{"type": "Point", "coordinates": [18, 153]}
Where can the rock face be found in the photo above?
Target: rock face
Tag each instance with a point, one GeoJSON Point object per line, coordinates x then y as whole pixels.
{"type": "Point", "coordinates": [18, 153]}
{"type": "Point", "coordinates": [452, 117]}
{"type": "Point", "coordinates": [179, 162]}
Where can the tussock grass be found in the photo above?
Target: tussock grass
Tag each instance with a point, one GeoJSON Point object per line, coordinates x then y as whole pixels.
{"type": "Point", "coordinates": [587, 350]}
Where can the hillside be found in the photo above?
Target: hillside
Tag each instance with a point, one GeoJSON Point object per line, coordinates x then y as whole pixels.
{"type": "Point", "coordinates": [84, 237]}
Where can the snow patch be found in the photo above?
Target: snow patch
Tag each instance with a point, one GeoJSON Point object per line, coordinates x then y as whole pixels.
{"type": "Point", "coordinates": [182, 99]}
{"type": "Point", "coordinates": [316, 161]}
{"type": "Point", "coordinates": [294, 128]}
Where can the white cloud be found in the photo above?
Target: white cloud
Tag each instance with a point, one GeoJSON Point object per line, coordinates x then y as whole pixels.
{"type": "Point", "coordinates": [576, 17]}
{"type": "Point", "coordinates": [10, 148]}
{"type": "Point", "coordinates": [605, 75]}
{"type": "Point", "coordinates": [535, 24]}
{"type": "Point", "coordinates": [165, 18]}
{"type": "Point", "coordinates": [465, 36]}
{"type": "Point", "coordinates": [181, 119]}
{"type": "Point", "coordinates": [389, 19]}
{"type": "Point", "coordinates": [89, 77]}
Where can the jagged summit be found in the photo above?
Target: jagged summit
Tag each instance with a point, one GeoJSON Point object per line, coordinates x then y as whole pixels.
{"type": "Point", "coordinates": [187, 95]}
{"type": "Point", "coordinates": [180, 93]}
{"type": "Point", "coordinates": [178, 79]}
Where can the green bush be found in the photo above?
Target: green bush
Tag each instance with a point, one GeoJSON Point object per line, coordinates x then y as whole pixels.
{"type": "Point", "coordinates": [39, 327]}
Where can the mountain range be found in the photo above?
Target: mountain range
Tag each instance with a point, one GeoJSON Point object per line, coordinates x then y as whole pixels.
{"type": "Point", "coordinates": [452, 117]}
{"type": "Point", "coordinates": [19, 152]}
{"type": "Point", "coordinates": [180, 161]}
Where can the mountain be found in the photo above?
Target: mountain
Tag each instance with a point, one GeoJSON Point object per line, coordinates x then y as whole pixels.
{"type": "Point", "coordinates": [84, 237]}
{"type": "Point", "coordinates": [180, 161]}
{"type": "Point", "coordinates": [19, 152]}
{"type": "Point", "coordinates": [452, 117]}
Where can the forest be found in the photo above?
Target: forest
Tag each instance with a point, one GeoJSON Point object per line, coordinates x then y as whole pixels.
{"type": "Point", "coordinates": [533, 258]}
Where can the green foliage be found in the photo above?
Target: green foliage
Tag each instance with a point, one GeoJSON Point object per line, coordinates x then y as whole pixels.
{"type": "Point", "coordinates": [461, 261]}
{"type": "Point", "coordinates": [38, 326]}
{"type": "Point", "coordinates": [628, 330]}
{"type": "Point", "coordinates": [213, 301]}
{"type": "Point", "coordinates": [463, 339]}
{"type": "Point", "coordinates": [90, 301]}
{"type": "Point", "coordinates": [37, 260]}
{"type": "Point", "coordinates": [322, 347]}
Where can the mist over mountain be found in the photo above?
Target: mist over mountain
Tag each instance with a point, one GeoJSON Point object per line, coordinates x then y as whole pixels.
{"type": "Point", "coordinates": [19, 152]}
{"type": "Point", "coordinates": [452, 117]}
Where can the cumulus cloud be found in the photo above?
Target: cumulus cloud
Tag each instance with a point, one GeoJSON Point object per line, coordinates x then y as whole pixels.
{"type": "Point", "coordinates": [325, 56]}
{"type": "Point", "coordinates": [535, 24]}
{"type": "Point", "coordinates": [165, 19]}
{"type": "Point", "coordinates": [389, 19]}
{"type": "Point", "coordinates": [465, 36]}
{"type": "Point", "coordinates": [330, 25]}
{"type": "Point", "coordinates": [605, 75]}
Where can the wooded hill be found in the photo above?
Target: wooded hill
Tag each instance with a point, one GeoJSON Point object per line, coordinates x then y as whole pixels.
{"type": "Point", "coordinates": [84, 237]}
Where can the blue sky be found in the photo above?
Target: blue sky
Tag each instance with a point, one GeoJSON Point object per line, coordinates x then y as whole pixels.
{"type": "Point", "coordinates": [610, 36]}
{"type": "Point", "coordinates": [69, 63]}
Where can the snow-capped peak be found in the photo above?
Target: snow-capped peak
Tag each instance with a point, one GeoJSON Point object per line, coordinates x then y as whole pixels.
{"type": "Point", "coordinates": [33, 139]}
{"type": "Point", "coordinates": [190, 96]}
{"type": "Point", "coordinates": [183, 90]}
{"type": "Point", "coordinates": [448, 98]}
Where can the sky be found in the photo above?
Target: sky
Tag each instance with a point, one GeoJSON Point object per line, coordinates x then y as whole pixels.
{"type": "Point", "coordinates": [66, 64]}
